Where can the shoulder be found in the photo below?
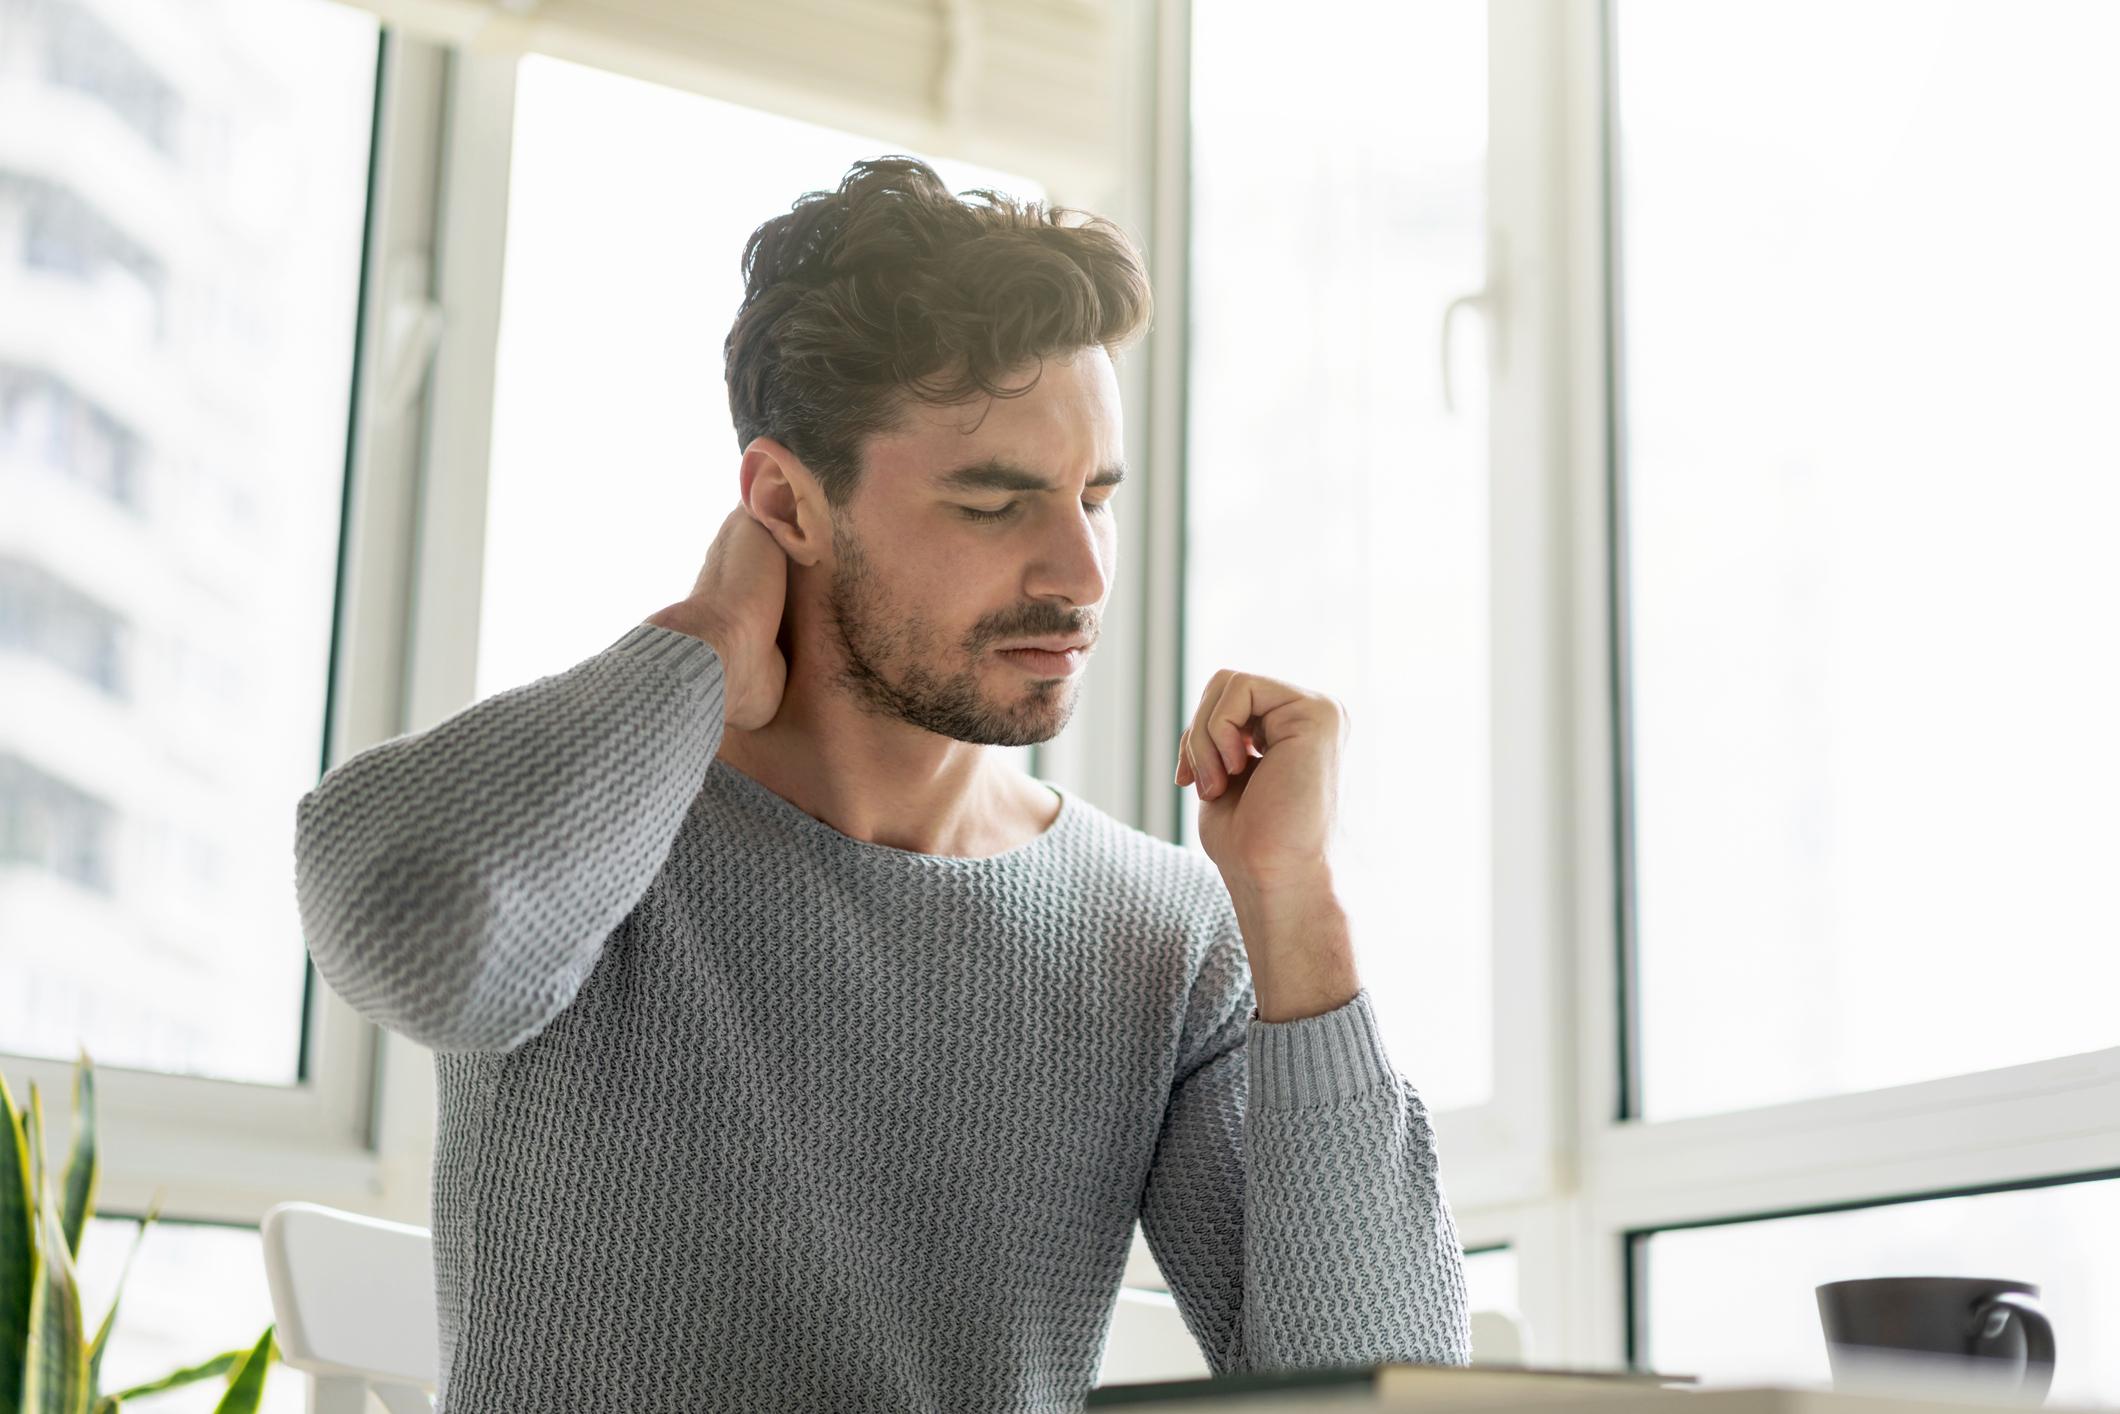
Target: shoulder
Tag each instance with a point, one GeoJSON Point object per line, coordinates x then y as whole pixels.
{"type": "Point", "coordinates": [1171, 890]}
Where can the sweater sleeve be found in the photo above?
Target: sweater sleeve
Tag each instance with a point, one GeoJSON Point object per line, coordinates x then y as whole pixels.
{"type": "Point", "coordinates": [1295, 1202]}
{"type": "Point", "coordinates": [456, 885]}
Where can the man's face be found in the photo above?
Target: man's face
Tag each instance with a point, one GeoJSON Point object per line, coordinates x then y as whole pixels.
{"type": "Point", "coordinates": [924, 593]}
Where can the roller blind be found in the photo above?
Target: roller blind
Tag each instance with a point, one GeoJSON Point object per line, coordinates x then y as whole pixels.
{"type": "Point", "coordinates": [1021, 85]}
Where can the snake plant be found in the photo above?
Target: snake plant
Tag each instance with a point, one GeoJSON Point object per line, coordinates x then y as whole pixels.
{"type": "Point", "coordinates": [49, 1363]}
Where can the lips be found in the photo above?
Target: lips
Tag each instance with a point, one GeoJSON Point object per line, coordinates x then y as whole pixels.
{"type": "Point", "coordinates": [1046, 663]}
{"type": "Point", "coordinates": [1048, 645]}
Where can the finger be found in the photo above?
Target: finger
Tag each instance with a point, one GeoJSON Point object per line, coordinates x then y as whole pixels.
{"type": "Point", "coordinates": [1180, 776]}
{"type": "Point", "coordinates": [1206, 757]}
{"type": "Point", "coordinates": [1228, 738]}
{"type": "Point", "coordinates": [1221, 734]}
{"type": "Point", "coordinates": [1248, 698]}
{"type": "Point", "coordinates": [1193, 757]}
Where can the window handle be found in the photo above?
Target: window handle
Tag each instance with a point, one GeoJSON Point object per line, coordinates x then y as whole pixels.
{"type": "Point", "coordinates": [1488, 300]}
{"type": "Point", "coordinates": [412, 330]}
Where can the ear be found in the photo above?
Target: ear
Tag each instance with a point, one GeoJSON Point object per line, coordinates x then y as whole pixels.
{"type": "Point", "coordinates": [785, 498]}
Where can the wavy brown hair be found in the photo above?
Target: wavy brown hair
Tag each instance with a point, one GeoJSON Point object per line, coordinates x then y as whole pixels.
{"type": "Point", "coordinates": [891, 288]}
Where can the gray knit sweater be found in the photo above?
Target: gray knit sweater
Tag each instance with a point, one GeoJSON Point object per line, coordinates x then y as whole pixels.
{"type": "Point", "coordinates": [736, 1112]}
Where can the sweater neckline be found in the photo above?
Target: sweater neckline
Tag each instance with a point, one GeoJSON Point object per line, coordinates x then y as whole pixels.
{"type": "Point", "coordinates": [803, 820]}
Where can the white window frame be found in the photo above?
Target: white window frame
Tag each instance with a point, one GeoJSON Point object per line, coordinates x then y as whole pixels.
{"type": "Point", "coordinates": [1610, 1179]}
{"type": "Point", "coordinates": [1500, 1157]}
{"type": "Point", "coordinates": [220, 1150]}
{"type": "Point", "coordinates": [1546, 1167]}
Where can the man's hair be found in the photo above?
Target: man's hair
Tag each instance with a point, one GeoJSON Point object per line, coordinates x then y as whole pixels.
{"type": "Point", "coordinates": [891, 287]}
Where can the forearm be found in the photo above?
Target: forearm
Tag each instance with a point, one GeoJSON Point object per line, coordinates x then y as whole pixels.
{"type": "Point", "coordinates": [1351, 1255]}
{"type": "Point", "coordinates": [1301, 948]}
{"type": "Point", "coordinates": [456, 884]}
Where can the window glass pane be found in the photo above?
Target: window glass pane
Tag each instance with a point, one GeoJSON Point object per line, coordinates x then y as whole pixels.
{"type": "Point", "coordinates": [1738, 1303]}
{"type": "Point", "coordinates": [614, 459]}
{"type": "Point", "coordinates": [195, 1291]}
{"type": "Point", "coordinates": [1336, 514]}
{"type": "Point", "coordinates": [1873, 483]}
{"type": "Point", "coordinates": [183, 187]}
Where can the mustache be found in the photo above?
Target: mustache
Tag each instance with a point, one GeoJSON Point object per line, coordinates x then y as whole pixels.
{"type": "Point", "coordinates": [1084, 630]}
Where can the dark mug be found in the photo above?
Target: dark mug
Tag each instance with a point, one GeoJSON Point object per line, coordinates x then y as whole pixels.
{"type": "Point", "coordinates": [1994, 1328]}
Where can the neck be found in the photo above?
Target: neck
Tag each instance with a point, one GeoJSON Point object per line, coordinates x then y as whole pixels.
{"type": "Point", "coordinates": [884, 781]}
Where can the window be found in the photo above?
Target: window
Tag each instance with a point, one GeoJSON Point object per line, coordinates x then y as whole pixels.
{"type": "Point", "coordinates": [614, 460]}
{"type": "Point", "coordinates": [79, 51]}
{"type": "Point", "coordinates": [1335, 510]}
{"type": "Point", "coordinates": [1736, 1302]}
{"type": "Point", "coordinates": [171, 487]}
{"type": "Point", "coordinates": [1871, 485]}
{"type": "Point", "coordinates": [47, 825]}
{"type": "Point", "coordinates": [47, 423]}
{"type": "Point", "coordinates": [196, 1290]}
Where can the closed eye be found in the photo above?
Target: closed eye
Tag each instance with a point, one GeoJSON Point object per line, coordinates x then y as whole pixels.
{"type": "Point", "coordinates": [974, 513]}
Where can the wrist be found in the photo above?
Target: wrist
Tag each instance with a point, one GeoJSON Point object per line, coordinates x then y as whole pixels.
{"type": "Point", "coordinates": [686, 619]}
{"type": "Point", "coordinates": [1300, 945]}
{"type": "Point", "coordinates": [1302, 964]}
{"type": "Point", "coordinates": [1300, 895]}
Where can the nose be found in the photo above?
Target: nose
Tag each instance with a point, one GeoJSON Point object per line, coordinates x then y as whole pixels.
{"type": "Point", "coordinates": [1074, 559]}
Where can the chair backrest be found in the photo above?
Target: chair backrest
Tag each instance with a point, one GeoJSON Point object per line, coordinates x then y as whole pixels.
{"type": "Point", "coordinates": [353, 1307]}
{"type": "Point", "coordinates": [1148, 1340]}
{"type": "Point", "coordinates": [1499, 1337]}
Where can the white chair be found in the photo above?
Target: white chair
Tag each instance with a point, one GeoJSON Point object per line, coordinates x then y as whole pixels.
{"type": "Point", "coordinates": [1499, 1337]}
{"type": "Point", "coordinates": [353, 1307]}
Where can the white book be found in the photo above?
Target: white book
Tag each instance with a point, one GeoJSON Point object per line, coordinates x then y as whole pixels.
{"type": "Point", "coordinates": [1906, 1387]}
{"type": "Point", "coordinates": [1370, 1384]}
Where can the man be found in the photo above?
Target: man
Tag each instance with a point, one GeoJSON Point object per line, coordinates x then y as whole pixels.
{"type": "Point", "coordinates": [792, 1051]}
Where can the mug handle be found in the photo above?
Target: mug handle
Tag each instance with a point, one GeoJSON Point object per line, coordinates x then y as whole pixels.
{"type": "Point", "coordinates": [1991, 1318]}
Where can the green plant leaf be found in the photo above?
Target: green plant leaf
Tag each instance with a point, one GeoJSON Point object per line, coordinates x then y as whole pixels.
{"type": "Point", "coordinates": [36, 1158]}
{"type": "Point", "coordinates": [248, 1387]}
{"type": "Point", "coordinates": [220, 1364]}
{"type": "Point", "coordinates": [82, 1166]}
{"type": "Point", "coordinates": [110, 1317]}
{"type": "Point", "coordinates": [18, 1253]}
{"type": "Point", "coordinates": [57, 1379]}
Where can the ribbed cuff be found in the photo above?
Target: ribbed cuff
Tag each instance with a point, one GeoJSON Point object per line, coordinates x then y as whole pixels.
{"type": "Point", "coordinates": [690, 658]}
{"type": "Point", "coordinates": [1318, 1060]}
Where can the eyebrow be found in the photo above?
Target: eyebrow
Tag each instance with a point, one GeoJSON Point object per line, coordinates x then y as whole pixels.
{"type": "Point", "coordinates": [995, 474]}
